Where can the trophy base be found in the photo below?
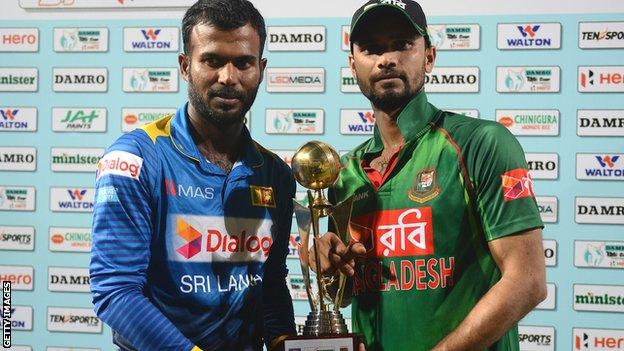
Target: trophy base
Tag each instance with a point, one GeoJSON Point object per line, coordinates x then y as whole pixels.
{"type": "Point", "coordinates": [325, 330]}
{"type": "Point", "coordinates": [325, 323]}
{"type": "Point", "coordinates": [337, 342]}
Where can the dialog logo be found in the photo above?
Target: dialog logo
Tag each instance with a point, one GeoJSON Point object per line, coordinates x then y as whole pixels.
{"type": "Point", "coordinates": [73, 39]}
{"type": "Point", "coordinates": [18, 119]}
{"type": "Point", "coordinates": [219, 239]}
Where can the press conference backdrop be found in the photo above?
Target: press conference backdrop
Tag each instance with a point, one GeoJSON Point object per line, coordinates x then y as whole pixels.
{"type": "Point", "coordinates": [73, 78]}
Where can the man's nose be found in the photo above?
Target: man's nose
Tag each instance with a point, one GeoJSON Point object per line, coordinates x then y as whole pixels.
{"type": "Point", "coordinates": [228, 74]}
{"type": "Point", "coordinates": [388, 59]}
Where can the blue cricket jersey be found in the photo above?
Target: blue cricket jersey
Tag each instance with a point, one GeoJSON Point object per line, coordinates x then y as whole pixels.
{"type": "Point", "coordinates": [185, 254]}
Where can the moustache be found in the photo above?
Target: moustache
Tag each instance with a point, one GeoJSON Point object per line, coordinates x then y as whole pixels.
{"type": "Point", "coordinates": [227, 93]}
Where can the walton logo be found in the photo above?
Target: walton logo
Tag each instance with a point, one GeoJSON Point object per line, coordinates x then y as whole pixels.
{"type": "Point", "coordinates": [528, 30]}
{"type": "Point", "coordinates": [587, 78]}
{"type": "Point", "coordinates": [607, 160]}
{"type": "Point", "coordinates": [76, 194]}
{"type": "Point", "coordinates": [367, 117]}
{"type": "Point", "coordinates": [517, 184]}
{"type": "Point", "coordinates": [9, 114]}
{"type": "Point", "coordinates": [150, 33]}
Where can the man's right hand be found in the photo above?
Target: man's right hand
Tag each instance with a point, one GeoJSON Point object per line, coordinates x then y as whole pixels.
{"type": "Point", "coordinates": [335, 255]}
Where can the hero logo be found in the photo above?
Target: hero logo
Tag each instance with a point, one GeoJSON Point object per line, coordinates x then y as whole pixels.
{"type": "Point", "coordinates": [188, 191]}
{"type": "Point", "coordinates": [397, 233]}
{"type": "Point", "coordinates": [215, 239]}
{"type": "Point", "coordinates": [120, 163]}
{"type": "Point", "coordinates": [601, 78]}
{"type": "Point", "coordinates": [598, 339]}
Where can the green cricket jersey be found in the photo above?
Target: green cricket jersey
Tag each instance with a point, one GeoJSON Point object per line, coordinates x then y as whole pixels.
{"type": "Point", "coordinates": [458, 183]}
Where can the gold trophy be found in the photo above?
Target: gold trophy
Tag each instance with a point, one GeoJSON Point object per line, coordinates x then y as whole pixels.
{"type": "Point", "coordinates": [316, 166]}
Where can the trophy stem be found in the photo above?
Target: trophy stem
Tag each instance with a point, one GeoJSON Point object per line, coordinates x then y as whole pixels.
{"type": "Point", "coordinates": [317, 260]}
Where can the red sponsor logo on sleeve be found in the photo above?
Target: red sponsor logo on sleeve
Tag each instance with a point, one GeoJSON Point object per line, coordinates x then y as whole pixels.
{"type": "Point", "coordinates": [516, 184]}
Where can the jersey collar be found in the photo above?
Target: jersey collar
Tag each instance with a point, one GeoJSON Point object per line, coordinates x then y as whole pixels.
{"type": "Point", "coordinates": [183, 142]}
{"type": "Point", "coordinates": [412, 120]}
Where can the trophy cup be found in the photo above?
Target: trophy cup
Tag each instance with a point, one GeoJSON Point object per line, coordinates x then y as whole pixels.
{"type": "Point", "coordinates": [316, 166]}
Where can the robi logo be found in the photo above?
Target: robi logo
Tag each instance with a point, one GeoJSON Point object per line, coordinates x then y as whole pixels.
{"type": "Point", "coordinates": [607, 160]}
{"type": "Point", "coordinates": [367, 117]}
{"type": "Point", "coordinates": [395, 233]}
{"type": "Point", "coordinates": [150, 33]}
{"type": "Point", "coordinates": [528, 30]}
{"type": "Point", "coordinates": [8, 114]}
{"type": "Point", "coordinates": [516, 184]}
{"type": "Point", "coordinates": [76, 194]}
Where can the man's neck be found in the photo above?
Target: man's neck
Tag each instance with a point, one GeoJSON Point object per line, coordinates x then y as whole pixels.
{"type": "Point", "coordinates": [388, 127]}
{"type": "Point", "coordinates": [219, 144]}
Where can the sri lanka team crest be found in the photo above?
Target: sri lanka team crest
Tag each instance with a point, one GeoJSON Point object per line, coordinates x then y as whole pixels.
{"type": "Point", "coordinates": [262, 196]}
{"type": "Point", "coordinates": [425, 187]}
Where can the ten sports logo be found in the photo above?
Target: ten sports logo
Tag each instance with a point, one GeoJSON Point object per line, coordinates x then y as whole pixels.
{"type": "Point", "coordinates": [120, 163]}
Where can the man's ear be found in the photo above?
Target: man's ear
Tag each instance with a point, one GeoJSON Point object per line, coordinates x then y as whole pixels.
{"type": "Point", "coordinates": [430, 56]}
{"type": "Point", "coordinates": [351, 62]}
{"type": "Point", "coordinates": [263, 64]}
{"type": "Point", "coordinates": [184, 63]}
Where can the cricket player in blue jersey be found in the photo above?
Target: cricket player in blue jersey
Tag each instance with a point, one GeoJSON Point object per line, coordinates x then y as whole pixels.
{"type": "Point", "coordinates": [192, 217]}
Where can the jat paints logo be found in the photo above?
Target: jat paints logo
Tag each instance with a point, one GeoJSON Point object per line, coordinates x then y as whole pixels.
{"type": "Point", "coordinates": [209, 238]}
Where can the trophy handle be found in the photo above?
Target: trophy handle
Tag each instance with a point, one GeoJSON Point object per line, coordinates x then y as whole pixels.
{"type": "Point", "coordinates": [341, 216]}
{"type": "Point", "coordinates": [303, 217]}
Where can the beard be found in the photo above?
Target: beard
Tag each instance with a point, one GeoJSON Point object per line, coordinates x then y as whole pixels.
{"type": "Point", "coordinates": [390, 99]}
{"type": "Point", "coordinates": [221, 118]}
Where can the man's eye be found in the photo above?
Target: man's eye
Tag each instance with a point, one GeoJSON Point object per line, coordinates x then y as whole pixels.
{"type": "Point", "coordinates": [213, 62]}
{"type": "Point", "coordinates": [372, 49]}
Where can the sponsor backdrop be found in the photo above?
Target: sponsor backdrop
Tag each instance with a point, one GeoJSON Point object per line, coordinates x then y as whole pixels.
{"type": "Point", "coordinates": [70, 85]}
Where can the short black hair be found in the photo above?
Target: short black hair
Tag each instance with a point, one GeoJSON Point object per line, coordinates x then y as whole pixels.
{"type": "Point", "coordinates": [225, 15]}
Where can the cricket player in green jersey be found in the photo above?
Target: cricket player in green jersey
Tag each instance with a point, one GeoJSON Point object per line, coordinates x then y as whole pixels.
{"type": "Point", "coordinates": [446, 250]}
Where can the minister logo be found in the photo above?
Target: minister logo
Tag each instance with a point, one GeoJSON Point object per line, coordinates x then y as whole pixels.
{"type": "Point", "coordinates": [529, 36]}
{"type": "Point", "coordinates": [19, 79]}
{"type": "Point", "coordinates": [72, 39]}
{"type": "Point", "coordinates": [151, 39]}
{"type": "Point", "coordinates": [219, 239]}
{"type": "Point", "coordinates": [601, 35]}
{"type": "Point", "coordinates": [604, 298]}
{"type": "Point", "coordinates": [454, 36]}
{"type": "Point", "coordinates": [348, 83]}
{"type": "Point", "coordinates": [75, 159]}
